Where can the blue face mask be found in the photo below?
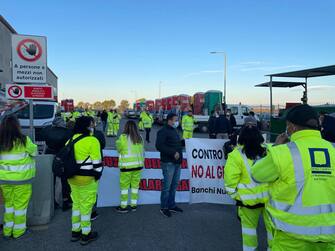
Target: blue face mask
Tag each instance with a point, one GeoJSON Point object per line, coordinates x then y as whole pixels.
{"type": "Point", "coordinates": [175, 124]}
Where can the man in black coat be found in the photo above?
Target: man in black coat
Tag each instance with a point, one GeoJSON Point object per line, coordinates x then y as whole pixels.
{"type": "Point", "coordinates": [170, 146]}
{"type": "Point", "coordinates": [211, 125]}
{"type": "Point", "coordinates": [222, 126]}
{"type": "Point", "coordinates": [55, 137]}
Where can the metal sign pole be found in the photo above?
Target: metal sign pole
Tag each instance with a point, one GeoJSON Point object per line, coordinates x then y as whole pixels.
{"type": "Point", "coordinates": [31, 120]}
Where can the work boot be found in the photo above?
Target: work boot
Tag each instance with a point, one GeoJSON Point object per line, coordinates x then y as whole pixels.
{"type": "Point", "coordinates": [86, 239]}
{"type": "Point", "coordinates": [122, 210]}
{"type": "Point", "coordinates": [176, 210]}
{"type": "Point", "coordinates": [75, 236]}
{"type": "Point", "coordinates": [166, 212]}
{"type": "Point", "coordinates": [94, 215]}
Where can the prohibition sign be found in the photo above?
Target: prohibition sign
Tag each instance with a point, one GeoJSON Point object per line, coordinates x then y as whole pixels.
{"type": "Point", "coordinates": [29, 50]}
{"type": "Point", "coordinates": [14, 91]}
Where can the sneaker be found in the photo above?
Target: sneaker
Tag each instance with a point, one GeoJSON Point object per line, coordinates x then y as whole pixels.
{"type": "Point", "coordinates": [94, 215]}
{"type": "Point", "coordinates": [166, 212]}
{"type": "Point", "coordinates": [176, 210]}
{"type": "Point", "coordinates": [85, 239]}
{"type": "Point", "coordinates": [75, 236]}
{"type": "Point", "coordinates": [133, 208]}
{"type": "Point", "coordinates": [122, 210]}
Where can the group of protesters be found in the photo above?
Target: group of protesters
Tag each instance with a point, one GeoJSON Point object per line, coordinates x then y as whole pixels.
{"type": "Point", "coordinates": [291, 183]}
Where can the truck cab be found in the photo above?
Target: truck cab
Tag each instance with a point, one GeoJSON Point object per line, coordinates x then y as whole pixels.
{"type": "Point", "coordinates": [44, 114]}
{"type": "Point", "coordinates": [239, 112]}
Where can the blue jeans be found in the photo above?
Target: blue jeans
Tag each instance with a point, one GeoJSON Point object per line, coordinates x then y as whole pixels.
{"type": "Point", "coordinates": [171, 174]}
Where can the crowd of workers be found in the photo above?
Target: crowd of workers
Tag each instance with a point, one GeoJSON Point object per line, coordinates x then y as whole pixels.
{"type": "Point", "coordinates": [290, 183]}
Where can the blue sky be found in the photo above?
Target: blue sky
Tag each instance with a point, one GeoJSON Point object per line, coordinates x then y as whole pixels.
{"type": "Point", "coordinates": [123, 49]}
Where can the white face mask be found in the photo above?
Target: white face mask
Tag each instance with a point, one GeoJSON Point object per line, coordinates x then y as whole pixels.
{"type": "Point", "coordinates": [91, 129]}
{"type": "Point", "coordinates": [175, 124]}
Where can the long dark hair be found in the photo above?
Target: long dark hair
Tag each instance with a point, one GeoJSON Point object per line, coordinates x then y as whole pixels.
{"type": "Point", "coordinates": [81, 126]}
{"type": "Point", "coordinates": [251, 140]}
{"type": "Point", "coordinates": [130, 129]}
{"type": "Point", "coordinates": [10, 134]}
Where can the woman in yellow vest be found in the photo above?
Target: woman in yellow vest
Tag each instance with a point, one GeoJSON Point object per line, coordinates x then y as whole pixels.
{"type": "Point", "coordinates": [84, 185]}
{"type": "Point", "coordinates": [116, 122]}
{"type": "Point", "coordinates": [17, 170]}
{"type": "Point", "coordinates": [131, 162]}
{"type": "Point", "coordinates": [250, 197]}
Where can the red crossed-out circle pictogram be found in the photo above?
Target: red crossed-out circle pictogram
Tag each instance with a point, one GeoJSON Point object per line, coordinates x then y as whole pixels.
{"type": "Point", "coordinates": [25, 45]}
{"type": "Point", "coordinates": [15, 91]}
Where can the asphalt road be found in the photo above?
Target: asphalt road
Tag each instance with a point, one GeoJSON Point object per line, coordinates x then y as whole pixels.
{"type": "Point", "coordinates": [200, 227]}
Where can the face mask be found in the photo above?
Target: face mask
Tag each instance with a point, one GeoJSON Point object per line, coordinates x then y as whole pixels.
{"type": "Point", "coordinates": [91, 129]}
{"type": "Point", "coordinates": [228, 114]}
{"type": "Point", "coordinates": [175, 124]}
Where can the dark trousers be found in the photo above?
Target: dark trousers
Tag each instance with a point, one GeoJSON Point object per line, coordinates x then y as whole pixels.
{"type": "Point", "coordinates": [147, 134]}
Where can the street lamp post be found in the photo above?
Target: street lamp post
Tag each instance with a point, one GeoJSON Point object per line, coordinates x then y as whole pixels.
{"type": "Point", "coordinates": [224, 76]}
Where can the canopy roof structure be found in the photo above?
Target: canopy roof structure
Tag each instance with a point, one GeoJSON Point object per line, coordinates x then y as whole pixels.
{"type": "Point", "coordinates": [281, 84]}
{"type": "Point", "coordinates": [306, 73]}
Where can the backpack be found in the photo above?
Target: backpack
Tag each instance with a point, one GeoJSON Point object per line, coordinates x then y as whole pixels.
{"type": "Point", "coordinates": [64, 164]}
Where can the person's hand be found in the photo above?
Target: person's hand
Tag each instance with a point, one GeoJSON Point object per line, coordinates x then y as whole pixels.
{"type": "Point", "coordinates": [32, 49]}
{"type": "Point", "coordinates": [282, 139]}
{"type": "Point", "coordinates": [177, 156]}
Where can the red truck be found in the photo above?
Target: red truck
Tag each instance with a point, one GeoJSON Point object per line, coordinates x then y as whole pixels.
{"type": "Point", "coordinates": [184, 102]}
{"type": "Point", "coordinates": [150, 104]}
{"type": "Point", "coordinates": [158, 104]}
{"type": "Point", "coordinates": [198, 103]}
{"type": "Point", "coordinates": [67, 105]}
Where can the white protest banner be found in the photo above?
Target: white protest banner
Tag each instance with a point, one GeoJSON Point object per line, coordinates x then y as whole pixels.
{"type": "Point", "coordinates": [205, 158]}
{"type": "Point", "coordinates": [29, 59]}
{"type": "Point", "coordinates": [150, 184]}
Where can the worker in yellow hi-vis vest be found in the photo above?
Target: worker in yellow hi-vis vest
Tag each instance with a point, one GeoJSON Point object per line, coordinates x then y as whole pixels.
{"type": "Point", "coordinates": [250, 197]}
{"type": "Point", "coordinates": [17, 170]}
{"type": "Point", "coordinates": [131, 162]}
{"type": "Point", "coordinates": [300, 170]}
{"type": "Point", "coordinates": [187, 125]}
{"type": "Point", "coordinates": [116, 122]}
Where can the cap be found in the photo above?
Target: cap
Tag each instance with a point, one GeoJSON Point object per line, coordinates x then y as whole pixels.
{"type": "Point", "coordinates": [250, 121]}
{"type": "Point", "coordinates": [303, 115]}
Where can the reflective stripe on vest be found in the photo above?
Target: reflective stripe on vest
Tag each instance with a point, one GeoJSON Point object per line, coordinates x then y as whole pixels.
{"type": "Point", "coordinates": [124, 163]}
{"type": "Point", "coordinates": [19, 168]}
{"type": "Point", "coordinates": [252, 184]}
{"type": "Point", "coordinates": [17, 156]}
{"type": "Point", "coordinates": [88, 165]}
{"type": "Point", "coordinates": [297, 208]}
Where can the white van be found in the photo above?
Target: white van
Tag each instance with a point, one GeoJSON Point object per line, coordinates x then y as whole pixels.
{"type": "Point", "coordinates": [44, 114]}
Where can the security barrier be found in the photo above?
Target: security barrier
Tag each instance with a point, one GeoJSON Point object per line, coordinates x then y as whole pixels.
{"type": "Point", "coordinates": [41, 207]}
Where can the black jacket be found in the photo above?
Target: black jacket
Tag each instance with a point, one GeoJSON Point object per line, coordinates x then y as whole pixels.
{"type": "Point", "coordinates": [168, 142]}
{"type": "Point", "coordinates": [55, 138]}
{"type": "Point", "coordinates": [101, 138]}
{"type": "Point", "coordinates": [104, 116]}
{"type": "Point", "coordinates": [232, 121]}
{"type": "Point", "coordinates": [222, 125]}
{"type": "Point", "coordinates": [211, 125]}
